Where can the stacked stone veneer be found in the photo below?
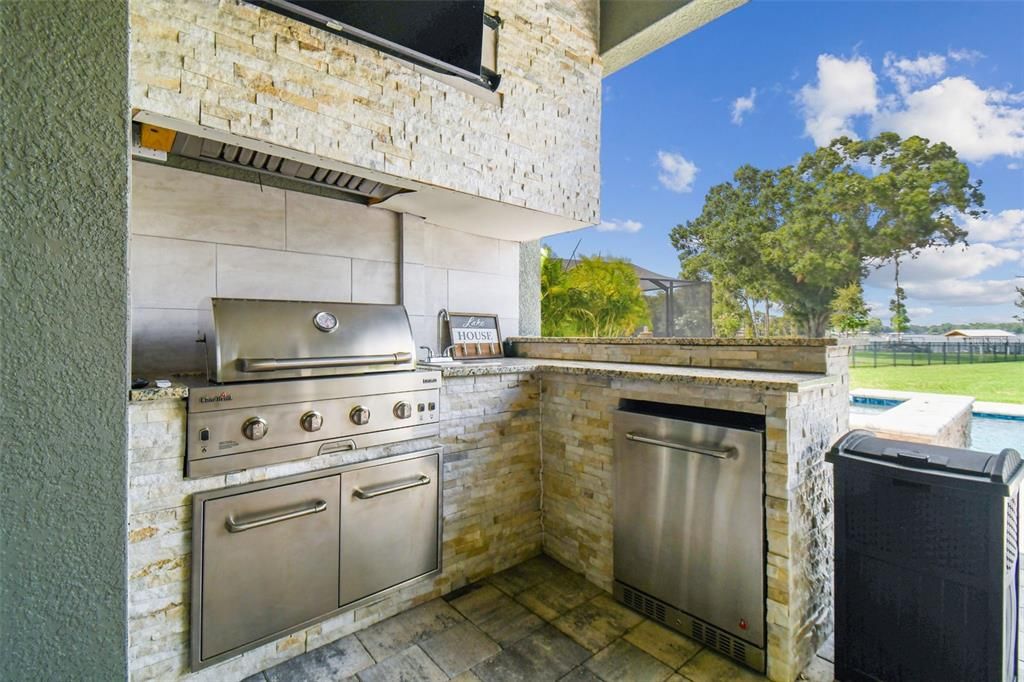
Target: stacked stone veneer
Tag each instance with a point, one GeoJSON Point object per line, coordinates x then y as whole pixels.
{"type": "Point", "coordinates": [235, 67]}
{"type": "Point", "coordinates": [822, 356]}
{"type": "Point", "coordinates": [527, 465]}
{"type": "Point", "coordinates": [577, 439]}
{"type": "Point", "coordinates": [491, 519]}
{"type": "Point", "coordinates": [921, 418]}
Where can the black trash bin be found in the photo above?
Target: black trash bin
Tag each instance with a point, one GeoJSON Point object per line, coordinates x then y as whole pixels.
{"type": "Point", "coordinates": [925, 561]}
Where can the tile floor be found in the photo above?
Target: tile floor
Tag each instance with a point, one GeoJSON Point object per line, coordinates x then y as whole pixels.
{"type": "Point", "coordinates": [533, 622]}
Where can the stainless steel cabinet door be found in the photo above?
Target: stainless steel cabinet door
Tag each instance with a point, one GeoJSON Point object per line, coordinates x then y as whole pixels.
{"type": "Point", "coordinates": [389, 525]}
{"type": "Point", "coordinates": [270, 561]}
{"type": "Point", "coordinates": [689, 518]}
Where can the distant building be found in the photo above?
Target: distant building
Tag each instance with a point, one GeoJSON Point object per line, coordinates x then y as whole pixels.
{"type": "Point", "coordinates": [985, 334]}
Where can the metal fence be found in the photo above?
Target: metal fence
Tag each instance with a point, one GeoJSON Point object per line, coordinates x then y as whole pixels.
{"type": "Point", "coordinates": [893, 353]}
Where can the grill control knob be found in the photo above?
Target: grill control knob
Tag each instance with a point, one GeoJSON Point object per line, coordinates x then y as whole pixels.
{"type": "Point", "coordinates": [403, 409]}
{"type": "Point", "coordinates": [312, 421]}
{"type": "Point", "coordinates": [254, 428]}
{"type": "Point", "coordinates": [359, 415]}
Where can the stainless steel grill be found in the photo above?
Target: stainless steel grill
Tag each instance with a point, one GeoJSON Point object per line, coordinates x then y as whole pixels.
{"type": "Point", "coordinates": [296, 379]}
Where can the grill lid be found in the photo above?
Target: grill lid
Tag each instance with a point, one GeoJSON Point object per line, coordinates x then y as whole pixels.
{"type": "Point", "coordinates": [257, 340]}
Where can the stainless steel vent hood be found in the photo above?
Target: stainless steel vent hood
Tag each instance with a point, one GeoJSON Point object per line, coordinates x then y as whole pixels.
{"type": "Point", "coordinates": [453, 209]}
{"type": "Point", "coordinates": [206, 149]}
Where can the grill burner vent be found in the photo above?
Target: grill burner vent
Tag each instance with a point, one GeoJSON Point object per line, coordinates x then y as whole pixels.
{"type": "Point", "coordinates": [203, 149]}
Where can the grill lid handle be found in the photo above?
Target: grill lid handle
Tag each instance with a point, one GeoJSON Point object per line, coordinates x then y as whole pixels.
{"type": "Point", "coordinates": [273, 364]}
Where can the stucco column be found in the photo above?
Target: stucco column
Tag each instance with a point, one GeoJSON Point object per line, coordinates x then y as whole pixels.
{"type": "Point", "coordinates": [63, 330]}
{"type": "Point", "coordinates": [529, 288]}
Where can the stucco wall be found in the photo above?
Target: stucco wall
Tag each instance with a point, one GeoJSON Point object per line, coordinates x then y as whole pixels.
{"type": "Point", "coordinates": [232, 66]}
{"type": "Point", "coordinates": [529, 288]}
{"type": "Point", "coordinates": [64, 339]}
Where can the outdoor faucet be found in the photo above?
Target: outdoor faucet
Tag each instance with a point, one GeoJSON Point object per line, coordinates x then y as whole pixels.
{"type": "Point", "coordinates": [442, 317]}
{"type": "Point", "coordinates": [430, 353]}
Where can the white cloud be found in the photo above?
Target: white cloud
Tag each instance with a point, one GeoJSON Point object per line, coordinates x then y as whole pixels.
{"type": "Point", "coordinates": [980, 123]}
{"type": "Point", "coordinates": [876, 308]}
{"type": "Point", "coordinates": [934, 264]}
{"type": "Point", "coordinates": [742, 105]}
{"type": "Point", "coordinates": [905, 72]}
{"type": "Point", "coordinates": [1014, 166]}
{"type": "Point", "coordinates": [845, 89]}
{"type": "Point", "coordinates": [615, 225]}
{"type": "Point", "coordinates": [944, 275]}
{"type": "Point", "coordinates": [919, 311]}
{"type": "Point", "coordinates": [677, 173]}
{"type": "Point", "coordinates": [966, 55]}
{"type": "Point", "coordinates": [977, 123]}
{"type": "Point", "coordinates": [1004, 226]}
{"type": "Point", "coordinates": [963, 292]}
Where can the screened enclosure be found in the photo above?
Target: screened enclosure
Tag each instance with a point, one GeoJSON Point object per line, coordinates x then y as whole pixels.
{"type": "Point", "coordinates": [678, 307]}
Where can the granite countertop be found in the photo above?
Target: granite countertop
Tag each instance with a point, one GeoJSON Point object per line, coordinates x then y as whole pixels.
{"type": "Point", "coordinates": [151, 392]}
{"type": "Point", "coordinates": [677, 341]}
{"type": "Point", "coordinates": [762, 380]}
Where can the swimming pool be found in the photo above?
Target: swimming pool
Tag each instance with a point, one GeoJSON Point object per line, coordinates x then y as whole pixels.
{"type": "Point", "coordinates": [993, 432]}
{"type": "Point", "coordinates": [861, 405]}
{"type": "Point", "coordinates": [989, 432]}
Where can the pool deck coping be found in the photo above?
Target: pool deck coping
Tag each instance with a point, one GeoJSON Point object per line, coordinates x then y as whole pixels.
{"type": "Point", "coordinates": [1003, 409]}
{"type": "Point", "coordinates": [1006, 409]}
{"type": "Point", "coordinates": [921, 415]}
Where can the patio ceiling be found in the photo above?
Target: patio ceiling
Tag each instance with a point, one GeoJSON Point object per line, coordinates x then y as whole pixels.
{"type": "Point", "coordinates": [631, 29]}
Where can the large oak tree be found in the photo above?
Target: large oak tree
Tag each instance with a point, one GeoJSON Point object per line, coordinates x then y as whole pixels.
{"type": "Point", "coordinates": [798, 234]}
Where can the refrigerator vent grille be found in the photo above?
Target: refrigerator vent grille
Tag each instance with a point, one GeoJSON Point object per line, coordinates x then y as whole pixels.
{"type": "Point", "coordinates": [719, 640]}
{"type": "Point", "coordinates": [644, 604]}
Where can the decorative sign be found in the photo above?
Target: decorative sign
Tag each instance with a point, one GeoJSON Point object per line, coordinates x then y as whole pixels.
{"type": "Point", "coordinates": [474, 335]}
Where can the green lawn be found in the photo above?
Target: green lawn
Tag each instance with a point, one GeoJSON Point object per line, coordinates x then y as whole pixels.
{"type": "Point", "coordinates": [1001, 382]}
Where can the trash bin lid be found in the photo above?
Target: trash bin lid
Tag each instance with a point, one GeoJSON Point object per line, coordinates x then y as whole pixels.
{"type": "Point", "coordinates": [998, 469]}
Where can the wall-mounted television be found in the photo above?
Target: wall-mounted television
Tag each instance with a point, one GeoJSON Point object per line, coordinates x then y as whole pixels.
{"type": "Point", "coordinates": [443, 35]}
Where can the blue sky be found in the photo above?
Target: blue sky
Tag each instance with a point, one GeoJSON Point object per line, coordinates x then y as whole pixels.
{"type": "Point", "coordinates": [763, 83]}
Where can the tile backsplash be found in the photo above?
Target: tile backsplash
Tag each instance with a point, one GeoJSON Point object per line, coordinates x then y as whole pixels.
{"type": "Point", "coordinates": [196, 236]}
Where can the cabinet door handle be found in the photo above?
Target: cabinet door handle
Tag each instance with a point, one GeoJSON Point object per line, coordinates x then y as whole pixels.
{"type": "Point", "coordinates": [707, 452]}
{"type": "Point", "coordinates": [377, 491]}
{"type": "Point", "coordinates": [239, 526]}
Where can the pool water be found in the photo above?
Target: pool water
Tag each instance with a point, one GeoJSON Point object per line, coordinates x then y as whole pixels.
{"type": "Point", "coordinates": [992, 433]}
{"type": "Point", "coordinates": [989, 432]}
{"type": "Point", "coordinates": [859, 405]}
